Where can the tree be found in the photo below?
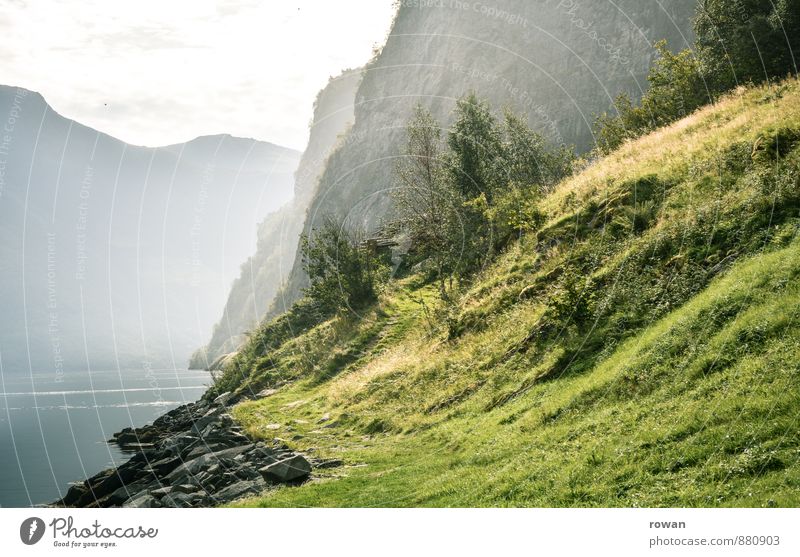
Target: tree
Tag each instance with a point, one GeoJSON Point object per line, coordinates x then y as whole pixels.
{"type": "Point", "coordinates": [528, 160]}
{"type": "Point", "coordinates": [426, 202]}
{"type": "Point", "coordinates": [341, 273]}
{"type": "Point", "coordinates": [474, 142]}
{"type": "Point", "coordinates": [527, 167]}
{"type": "Point", "coordinates": [741, 41]}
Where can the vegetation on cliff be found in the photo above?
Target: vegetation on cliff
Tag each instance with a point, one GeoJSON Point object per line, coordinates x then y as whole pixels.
{"type": "Point", "coordinates": [639, 349]}
{"type": "Point", "coordinates": [622, 336]}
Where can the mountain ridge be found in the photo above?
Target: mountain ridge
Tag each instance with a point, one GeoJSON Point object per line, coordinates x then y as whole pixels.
{"type": "Point", "coordinates": [172, 207]}
{"type": "Point", "coordinates": [5, 88]}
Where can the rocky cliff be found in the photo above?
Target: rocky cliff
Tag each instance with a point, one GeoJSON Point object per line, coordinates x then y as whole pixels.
{"type": "Point", "coordinates": [265, 271]}
{"type": "Point", "coordinates": [558, 61]}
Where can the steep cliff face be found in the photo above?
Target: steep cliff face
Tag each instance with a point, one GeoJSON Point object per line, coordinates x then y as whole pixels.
{"type": "Point", "coordinates": [558, 61]}
{"type": "Point", "coordinates": [119, 255]}
{"type": "Point", "coordinates": [265, 271]}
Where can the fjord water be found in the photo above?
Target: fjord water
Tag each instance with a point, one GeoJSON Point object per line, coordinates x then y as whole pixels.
{"type": "Point", "coordinates": [54, 429]}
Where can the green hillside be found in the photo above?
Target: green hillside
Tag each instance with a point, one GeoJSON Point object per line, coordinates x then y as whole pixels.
{"type": "Point", "coordinates": [640, 348]}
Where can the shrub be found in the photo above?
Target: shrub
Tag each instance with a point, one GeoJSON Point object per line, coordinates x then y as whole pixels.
{"type": "Point", "coordinates": [343, 274]}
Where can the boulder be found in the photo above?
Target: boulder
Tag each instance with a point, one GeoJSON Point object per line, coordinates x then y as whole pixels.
{"type": "Point", "coordinates": [181, 500]}
{"type": "Point", "coordinates": [126, 437]}
{"type": "Point", "coordinates": [161, 491]}
{"type": "Point", "coordinates": [186, 488]}
{"type": "Point", "coordinates": [293, 468]}
{"type": "Point", "coordinates": [223, 399]}
{"type": "Point", "coordinates": [164, 466]}
{"type": "Point", "coordinates": [205, 463]}
{"type": "Point", "coordinates": [215, 419]}
{"type": "Point", "coordinates": [74, 494]}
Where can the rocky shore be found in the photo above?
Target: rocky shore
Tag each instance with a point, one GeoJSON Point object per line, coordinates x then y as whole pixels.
{"type": "Point", "coordinates": [192, 456]}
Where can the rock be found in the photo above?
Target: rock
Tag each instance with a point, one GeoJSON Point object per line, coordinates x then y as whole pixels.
{"type": "Point", "coordinates": [142, 502]}
{"type": "Point", "coordinates": [205, 463]}
{"type": "Point", "coordinates": [179, 444]}
{"type": "Point", "coordinates": [124, 493]}
{"type": "Point", "coordinates": [223, 399]}
{"type": "Point", "coordinates": [74, 493]}
{"type": "Point", "coordinates": [272, 427]}
{"type": "Point", "coordinates": [240, 489]}
{"type": "Point", "coordinates": [247, 472]}
{"type": "Point", "coordinates": [161, 492]}
{"type": "Point", "coordinates": [186, 488]}
{"type": "Point", "coordinates": [212, 420]}
{"type": "Point", "coordinates": [181, 500]}
{"type": "Point", "coordinates": [266, 392]}
{"type": "Point", "coordinates": [287, 470]}
{"type": "Point", "coordinates": [126, 438]}
{"type": "Point", "coordinates": [164, 466]}
{"type": "Point", "coordinates": [330, 463]}
{"type": "Point", "coordinates": [191, 456]}
{"type": "Point", "coordinates": [326, 417]}
{"type": "Point", "coordinates": [136, 446]}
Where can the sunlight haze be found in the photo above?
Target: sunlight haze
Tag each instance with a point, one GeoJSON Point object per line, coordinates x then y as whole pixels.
{"type": "Point", "coordinates": [246, 67]}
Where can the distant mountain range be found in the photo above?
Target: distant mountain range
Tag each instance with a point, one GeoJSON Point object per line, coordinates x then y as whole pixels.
{"type": "Point", "coordinates": [119, 255]}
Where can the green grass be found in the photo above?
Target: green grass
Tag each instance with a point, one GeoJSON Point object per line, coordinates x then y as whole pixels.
{"type": "Point", "coordinates": [641, 349]}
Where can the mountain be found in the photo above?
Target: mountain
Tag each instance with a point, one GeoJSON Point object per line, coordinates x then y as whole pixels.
{"type": "Point", "coordinates": [115, 254]}
{"type": "Point", "coordinates": [638, 348]}
{"type": "Point", "coordinates": [558, 62]}
{"type": "Point", "coordinates": [266, 270]}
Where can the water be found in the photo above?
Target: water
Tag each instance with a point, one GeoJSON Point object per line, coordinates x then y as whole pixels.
{"type": "Point", "coordinates": [54, 432]}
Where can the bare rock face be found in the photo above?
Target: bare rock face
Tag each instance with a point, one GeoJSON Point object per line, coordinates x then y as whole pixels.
{"type": "Point", "coordinates": [559, 62]}
{"type": "Point", "coordinates": [196, 456]}
{"type": "Point", "coordinates": [278, 234]}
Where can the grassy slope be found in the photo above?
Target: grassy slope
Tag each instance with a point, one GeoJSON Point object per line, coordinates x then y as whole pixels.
{"type": "Point", "coordinates": [641, 349]}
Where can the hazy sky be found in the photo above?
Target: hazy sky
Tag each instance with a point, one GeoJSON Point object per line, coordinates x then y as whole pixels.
{"type": "Point", "coordinates": [154, 72]}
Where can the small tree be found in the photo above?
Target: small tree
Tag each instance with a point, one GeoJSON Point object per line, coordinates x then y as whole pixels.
{"type": "Point", "coordinates": [475, 144]}
{"type": "Point", "coordinates": [526, 158]}
{"type": "Point", "coordinates": [341, 273]}
{"type": "Point", "coordinates": [526, 168]}
{"type": "Point", "coordinates": [426, 202]}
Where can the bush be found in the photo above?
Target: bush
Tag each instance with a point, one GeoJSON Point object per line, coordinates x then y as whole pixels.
{"type": "Point", "coordinates": [342, 272]}
{"type": "Point", "coordinates": [677, 88]}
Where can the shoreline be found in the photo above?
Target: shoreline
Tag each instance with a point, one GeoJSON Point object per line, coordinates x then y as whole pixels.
{"type": "Point", "coordinates": [192, 456]}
